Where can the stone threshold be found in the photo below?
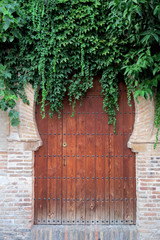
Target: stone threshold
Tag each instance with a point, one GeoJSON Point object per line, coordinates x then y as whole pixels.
{"type": "Point", "coordinates": [84, 232]}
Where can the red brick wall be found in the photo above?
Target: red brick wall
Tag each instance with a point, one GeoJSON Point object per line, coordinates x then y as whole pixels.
{"type": "Point", "coordinates": [147, 171]}
{"type": "Point", "coordinates": [148, 195]}
{"type": "Point", "coordinates": [17, 146]}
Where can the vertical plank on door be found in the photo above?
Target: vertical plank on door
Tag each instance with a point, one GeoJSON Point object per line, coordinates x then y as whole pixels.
{"type": "Point", "coordinates": [59, 170]}
{"type": "Point", "coordinates": [107, 168]}
{"type": "Point", "coordinates": [54, 169]}
{"type": "Point", "coordinates": [90, 160]}
{"type": "Point", "coordinates": [64, 165]}
{"type": "Point", "coordinates": [41, 171]}
{"type": "Point", "coordinates": [112, 175]}
{"type": "Point", "coordinates": [80, 166]}
{"type": "Point", "coordinates": [71, 135]}
{"type": "Point", "coordinates": [118, 146]}
{"type": "Point", "coordinates": [128, 164]}
{"type": "Point", "coordinates": [100, 160]}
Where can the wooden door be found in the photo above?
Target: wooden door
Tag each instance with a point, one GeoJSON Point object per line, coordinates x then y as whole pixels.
{"type": "Point", "coordinates": [84, 172]}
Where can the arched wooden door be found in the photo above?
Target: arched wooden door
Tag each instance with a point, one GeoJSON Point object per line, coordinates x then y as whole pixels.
{"type": "Point", "coordinates": [84, 173]}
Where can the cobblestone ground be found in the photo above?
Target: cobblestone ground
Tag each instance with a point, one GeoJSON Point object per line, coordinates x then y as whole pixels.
{"type": "Point", "coordinates": [96, 232]}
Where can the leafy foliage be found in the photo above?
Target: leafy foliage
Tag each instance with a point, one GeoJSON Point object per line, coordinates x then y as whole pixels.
{"type": "Point", "coordinates": [10, 20]}
{"type": "Point", "coordinates": [60, 45]}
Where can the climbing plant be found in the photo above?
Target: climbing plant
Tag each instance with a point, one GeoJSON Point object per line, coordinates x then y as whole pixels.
{"type": "Point", "coordinates": [60, 45]}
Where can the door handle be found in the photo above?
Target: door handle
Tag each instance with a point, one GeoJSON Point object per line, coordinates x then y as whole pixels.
{"type": "Point", "coordinates": [64, 162]}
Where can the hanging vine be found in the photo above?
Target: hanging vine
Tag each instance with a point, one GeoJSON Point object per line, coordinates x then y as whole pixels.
{"type": "Point", "coordinates": [60, 45]}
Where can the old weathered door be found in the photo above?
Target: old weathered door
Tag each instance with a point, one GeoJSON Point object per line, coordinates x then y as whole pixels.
{"type": "Point", "coordinates": [84, 172]}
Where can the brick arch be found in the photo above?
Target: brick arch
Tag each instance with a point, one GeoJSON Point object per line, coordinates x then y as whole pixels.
{"type": "Point", "coordinates": [27, 131]}
{"type": "Point", "coordinates": [4, 121]}
{"type": "Point", "coordinates": [144, 129]}
{"type": "Point", "coordinates": [147, 169]}
{"type": "Point", "coordinates": [17, 145]}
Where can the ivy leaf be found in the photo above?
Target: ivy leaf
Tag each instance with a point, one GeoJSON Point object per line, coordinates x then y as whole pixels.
{"type": "Point", "coordinates": [15, 122]}
{"type": "Point", "coordinates": [7, 22]}
{"type": "Point", "coordinates": [145, 39]}
{"type": "Point", "coordinates": [14, 117]}
{"type": "Point", "coordinates": [156, 37]}
{"type": "Point", "coordinates": [11, 38]}
{"type": "Point", "coordinates": [156, 10]}
{"type": "Point", "coordinates": [2, 84]}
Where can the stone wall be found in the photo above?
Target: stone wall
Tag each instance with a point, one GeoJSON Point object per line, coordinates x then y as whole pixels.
{"type": "Point", "coordinates": [17, 146]}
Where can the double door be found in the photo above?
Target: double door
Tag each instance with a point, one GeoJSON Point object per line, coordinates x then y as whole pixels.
{"type": "Point", "coordinates": [84, 172]}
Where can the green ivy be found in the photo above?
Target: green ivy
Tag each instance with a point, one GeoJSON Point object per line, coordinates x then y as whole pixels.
{"type": "Point", "coordinates": [60, 45]}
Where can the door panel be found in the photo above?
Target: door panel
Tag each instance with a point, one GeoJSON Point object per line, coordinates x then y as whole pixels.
{"type": "Point", "coordinates": [41, 172]}
{"type": "Point", "coordinates": [80, 166]}
{"type": "Point", "coordinates": [84, 172]}
{"type": "Point", "coordinates": [69, 165]}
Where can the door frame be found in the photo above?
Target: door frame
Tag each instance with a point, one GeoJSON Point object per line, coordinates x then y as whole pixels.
{"type": "Point", "coordinates": [25, 139]}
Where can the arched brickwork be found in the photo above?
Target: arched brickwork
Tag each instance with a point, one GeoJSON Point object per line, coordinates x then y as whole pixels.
{"type": "Point", "coordinates": [17, 145]}
{"type": "Point", "coordinates": [147, 170]}
{"type": "Point", "coordinates": [27, 130]}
